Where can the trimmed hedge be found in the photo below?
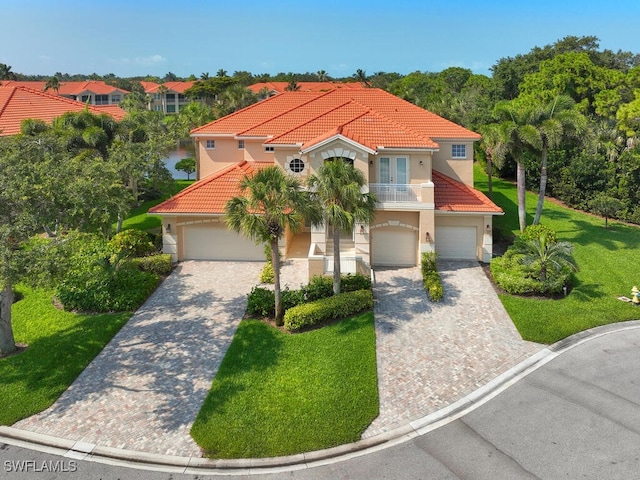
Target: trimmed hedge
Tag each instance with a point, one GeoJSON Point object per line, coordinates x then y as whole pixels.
{"type": "Point", "coordinates": [430, 277]}
{"type": "Point", "coordinates": [267, 274]}
{"type": "Point", "coordinates": [326, 309]}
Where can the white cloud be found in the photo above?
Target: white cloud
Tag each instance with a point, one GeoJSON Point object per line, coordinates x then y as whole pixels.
{"type": "Point", "coordinates": [144, 61]}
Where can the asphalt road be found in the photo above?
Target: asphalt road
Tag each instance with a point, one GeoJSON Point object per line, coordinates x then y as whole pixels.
{"type": "Point", "coordinates": [576, 417]}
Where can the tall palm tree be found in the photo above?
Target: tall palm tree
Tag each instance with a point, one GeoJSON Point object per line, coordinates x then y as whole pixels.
{"type": "Point", "coordinates": [270, 202]}
{"type": "Point", "coordinates": [511, 130]}
{"type": "Point", "coordinates": [6, 73]}
{"type": "Point", "coordinates": [549, 124]}
{"type": "Point", "coordinates": [204, 76]}
{"type": "Point", "coordinates": [494, 148]}
{"type": "Point", "coordinates": [361, 76]}
{"type": "Point", "coordinates": [221, 73]}
{"type": "Point", "coordinates": [338, 189]}
{"type": "Point", "coordinates": [162, 91]}
{"type": "Point", "coordinates": [322, 76]}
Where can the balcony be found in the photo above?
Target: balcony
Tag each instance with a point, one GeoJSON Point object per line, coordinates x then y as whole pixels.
{"type": "Point", "coordinates": [396, 193]}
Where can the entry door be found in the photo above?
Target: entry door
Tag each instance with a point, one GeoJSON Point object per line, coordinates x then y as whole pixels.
{"type": "Point", "coordinates": [394, 170]}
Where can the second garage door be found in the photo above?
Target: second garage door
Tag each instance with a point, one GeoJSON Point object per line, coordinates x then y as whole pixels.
{"type": "Point", "coordinates": [212, 242]}
{"type": "Point", "coordinates": [394, 247]}
{"type": "Point", "coordinates": [457, 243]}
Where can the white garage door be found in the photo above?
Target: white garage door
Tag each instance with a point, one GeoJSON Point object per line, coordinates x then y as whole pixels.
{"type": "Point", "coordinates": [212, 242]}
{"type": "Point", "coordinates": [456, 243]}
{"type": "Point", "coordinates": [394, 247]}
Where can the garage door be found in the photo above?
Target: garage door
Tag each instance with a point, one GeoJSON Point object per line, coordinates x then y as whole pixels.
{"type": "Point", "coordinates": [456, 243]}
{"type": "Point", "coordinates": [394, 247]}
{"type": "Point", "coordinates": [211, 242]}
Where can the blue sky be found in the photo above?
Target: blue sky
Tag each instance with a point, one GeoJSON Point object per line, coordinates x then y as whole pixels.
{"type": "Point", "coordinates": [140, 37]}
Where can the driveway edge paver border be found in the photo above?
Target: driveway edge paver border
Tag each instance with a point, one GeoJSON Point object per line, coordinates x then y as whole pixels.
{"type": "Point", "coordinates": [191, 465]}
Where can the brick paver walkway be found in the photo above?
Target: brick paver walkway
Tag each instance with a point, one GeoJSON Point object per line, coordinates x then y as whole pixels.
{"type": "Point", "coordinates": [144, 390]}
{"type": "Point", "coordinates": [432, 354]}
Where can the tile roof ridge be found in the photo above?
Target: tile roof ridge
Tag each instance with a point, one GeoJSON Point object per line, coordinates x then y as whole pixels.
{"type": "Point", "coordinates": [337, 130]}
{"type": "Point", "coordinates": [9, 97]}
{"type": "Point", "coordinates": [53, 96]}
{"type": "Point", "coordinates": [280, 95]}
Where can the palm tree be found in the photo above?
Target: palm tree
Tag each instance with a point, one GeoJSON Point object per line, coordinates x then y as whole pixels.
{"type": "Point", "coordinates": [6, 73]}
{"type": "Point", "coordinates": [221, 73]}
{"type": "Point", "coordinates": [513, 122]}
{"type": "Point", "coordinates": [162, 91]}
{"type": "Point", "coordinates": [548, 125]}
{"type": "Point", "coordinates": [292, 86]}
{"type": "Point", "coordinates": [338, 189]}
{"type": "Point", "coordinates": [361, 76]}
{"type": "Point", "coordinates": [52, 84]}
{"type": "Point", "coordinates": [548, 255]}
{"type": "Point", "coordinates": [322, 76]}
{"type": "Point", "coordinates": [270, 202]}
{"type": "Point", "coordinates": [234, 98]}
{"type": "Point", "coordinates": [495, 150]}
{"type": "Point", "coordinates": [204, 76]}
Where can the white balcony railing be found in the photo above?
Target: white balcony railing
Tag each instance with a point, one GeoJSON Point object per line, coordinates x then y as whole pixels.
{"type": "Point", "coordinates": [395, 193]}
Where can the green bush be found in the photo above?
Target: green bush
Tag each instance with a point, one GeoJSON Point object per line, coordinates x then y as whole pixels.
{"type": "Point", "coordinates": [518, 279]}
{"type": "Point", "coordinates": [136, 243]}
{"type": "Point", "coordinates": [101, 290]}
{"type": "Point", "coordinates": [318, 287]}
{"type": "Point", "coordinates": [267, 274]}
{"type": "Point", "coordinates": [353, 282]}
{"type": "Point", "coordinates": [430, 277]}
{"type": "Point", "coordinates": [159, 264]}
{"type": "Point", "coordinates": [262, 302]}
{"type": "Point", "coordinates": [338, 306]}
{"type": "Point", "coordinates": [433, 286]}
{"type": "Point", "coordinates": [533, 232]}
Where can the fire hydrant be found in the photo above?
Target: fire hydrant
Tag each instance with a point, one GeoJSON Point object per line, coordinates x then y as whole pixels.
{"type": "Point", "coordinates": [635, 295]}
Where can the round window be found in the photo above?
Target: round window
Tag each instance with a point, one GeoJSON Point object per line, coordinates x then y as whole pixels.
{"type": "Point", "coordinates": [296, 165]}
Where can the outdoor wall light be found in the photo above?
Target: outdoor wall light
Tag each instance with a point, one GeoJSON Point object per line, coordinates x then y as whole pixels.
{"type": "Point", "coordinates": [427, 237]}
{"type": "Point", "coordinates": [168, 228]}
{"type": "Point", "coordinates": [362, 232]}
{"type": "Point", "coordinates": [421, 163]}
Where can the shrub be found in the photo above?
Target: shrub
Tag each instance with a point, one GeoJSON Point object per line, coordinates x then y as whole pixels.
{"type": "Point", "coordinates": [136, 243]}
{"type": "Point", "coordinates": [99, 290]}
{"type": "Point", "coordinates": [533, 232]}
{"type": "Point", "coordinates": [338, 306]}
{"type": "Point", "coordinates": [159, 264]}
{"type": "Point", "coordinates": [262, 302]}
{"type": "Point", "coordinates": [318, 287]}
{"type": "Point", "coordinates": [267, 274]}
{"type": "Point", "coordinates": [430, 277]}
{"type": "Point", "coordinates": [354, 282]}
{"type": "Point", "coordinates": [292, 298]}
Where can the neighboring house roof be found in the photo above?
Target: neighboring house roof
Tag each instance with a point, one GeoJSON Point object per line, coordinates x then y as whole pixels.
{"type": "Point", "coordinates": [453, 196]}
{"type": "Point", "coordinates": [68, 88]}
{"type": "Point", "coordinates": [18, 103]}
{"type": "Point", "coordinates": [210, 194]}
{"type": "Point", "coordinates": [179, 87]}
{"type": "Point", "coordinates": [369, 116]}
{"type": "Point", "coordinates": [280, 87]}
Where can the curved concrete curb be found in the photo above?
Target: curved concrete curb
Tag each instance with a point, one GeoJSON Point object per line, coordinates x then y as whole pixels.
{"type": "Point", "coordinates": [194, 465]}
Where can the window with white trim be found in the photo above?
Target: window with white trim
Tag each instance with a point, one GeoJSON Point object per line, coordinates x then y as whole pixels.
{"type": "Point", "coordinates": [269, 149]}
{"type": "Point", "coordinates": [102, 99]}
{"type": "Point", "coordinates": [296, 165]}
{"type": "Point", "coordinates": [211, 144]}
{"type": "Point", "coordinates": [458, 151]}
{"type": "Point", "coordinates": [115, 98]}
{"type": "Point", "coordinates": [240, 144]}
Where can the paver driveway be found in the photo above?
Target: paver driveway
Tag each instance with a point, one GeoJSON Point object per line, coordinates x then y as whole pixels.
{"type": "Point", "coordinates": [430, 355]}
{"type": "Point", "coordinates": [144, 390]}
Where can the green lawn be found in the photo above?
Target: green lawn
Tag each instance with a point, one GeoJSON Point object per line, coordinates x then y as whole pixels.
{"type": "Point", "coordinates": [280, 394]}
{"type": "Point", "coordinates": [138, 217]}
{"type": "Point", "coordinates": [609, 261]}
{"type": "Point", "coordinates": [60, 345]}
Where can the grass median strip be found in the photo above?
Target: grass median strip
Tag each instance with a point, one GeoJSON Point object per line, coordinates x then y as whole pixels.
{"type": "Point", "coordinates": [60, 345]}
{"type": "Point", "coordinates": [281, 394]}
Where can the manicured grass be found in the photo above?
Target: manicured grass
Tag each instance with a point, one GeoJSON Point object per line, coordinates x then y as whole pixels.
{"type": "Point", "coordinates": [138, 217]}
{"type": "Point", "coordinates": [60, 345]}
{"type": "Point", "coordinates": [280, 394]}
{"type": "Point", "coordinates": [609, 261]}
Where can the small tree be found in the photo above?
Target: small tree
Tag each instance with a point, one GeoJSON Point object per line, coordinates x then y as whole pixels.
{"type": "Point", "coordinates": [605, 205]}
{"type": "Point", "coordinates": [547, 255]}
{"type": "Point", "coordinates": [187, 165]}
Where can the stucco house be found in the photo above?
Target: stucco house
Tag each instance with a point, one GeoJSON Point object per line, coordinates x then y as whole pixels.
{"type": "Point", "coordinates": [419, 165]}
{"type": "Point", "coordinates": [167, 97]}
{"type": "Point", "coordinates": [92, 92]}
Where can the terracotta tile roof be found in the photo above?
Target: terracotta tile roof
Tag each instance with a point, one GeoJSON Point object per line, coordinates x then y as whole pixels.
{"type": "Point", "coordinates": [69, 88]}
{"type": "Point", "coordinates": [210, 194]}
{"type": "Point", "coordinates": [280, 87]}
{"type": "Point", "coordinates": [368, 116]}
{"type": "Point", "coordinates": [179, 87]}
{"type": "Point", "coordinates": [453, 196]}
{"type": "Point", "coordinates": [18, 103]}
